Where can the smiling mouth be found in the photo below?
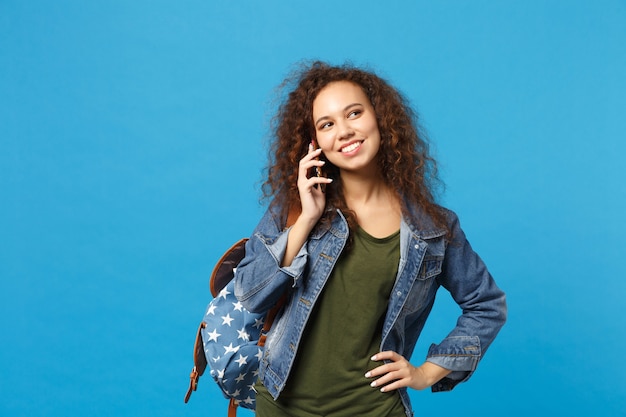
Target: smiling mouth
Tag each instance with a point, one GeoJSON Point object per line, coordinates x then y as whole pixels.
{"type": "Point", "coordinates": [352, 147]}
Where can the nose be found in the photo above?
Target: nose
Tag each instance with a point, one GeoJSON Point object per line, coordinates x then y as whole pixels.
{"type": "Point", "coordinates": [344, 130]}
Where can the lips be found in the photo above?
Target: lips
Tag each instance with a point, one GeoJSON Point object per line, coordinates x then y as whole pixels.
{"type": "Point", "coordinates": [351, 147]}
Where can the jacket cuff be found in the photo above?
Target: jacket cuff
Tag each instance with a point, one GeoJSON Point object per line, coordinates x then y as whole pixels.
{"type": "Point", "coordinates": [277, 249]}
{"type": "Point", "coordinates": [459, 354]}
{"type": "Point", "coordinates": [447, 383]}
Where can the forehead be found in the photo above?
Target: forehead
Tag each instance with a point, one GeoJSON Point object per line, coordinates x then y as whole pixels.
{"type": "Point", "coordinates": [337, 95]}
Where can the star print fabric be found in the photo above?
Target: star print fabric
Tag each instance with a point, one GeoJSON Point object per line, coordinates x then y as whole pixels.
{"type": "Point", "coordinates": [230, 346]}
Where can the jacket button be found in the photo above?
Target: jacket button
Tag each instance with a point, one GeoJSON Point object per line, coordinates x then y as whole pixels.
{"type": "Point", "coordinates": [399, 293]}
{"type": "Point", "coordinates": [417, 246]}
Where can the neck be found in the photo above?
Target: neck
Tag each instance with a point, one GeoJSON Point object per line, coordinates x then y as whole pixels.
{"type": "Point", "coordinates": [374, 203]}
{"type": "Point", "coordinates": [359, 189]}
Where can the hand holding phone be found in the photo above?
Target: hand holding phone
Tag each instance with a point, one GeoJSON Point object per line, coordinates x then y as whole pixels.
{"type": "Point", "coordinates": [318, 170]}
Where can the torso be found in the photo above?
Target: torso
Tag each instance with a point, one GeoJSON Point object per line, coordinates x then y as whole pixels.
{"type": "Point", "coordinates": [344, 331]}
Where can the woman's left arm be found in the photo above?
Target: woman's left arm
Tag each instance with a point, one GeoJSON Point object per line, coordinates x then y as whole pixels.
{"type": "Point", "coordinates": [483, 306]}
{"type": "Point", "coordinates": [484, 313]}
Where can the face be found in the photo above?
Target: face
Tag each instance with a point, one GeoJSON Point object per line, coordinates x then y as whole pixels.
{"type": "Point", "coordinates": [345, 127]}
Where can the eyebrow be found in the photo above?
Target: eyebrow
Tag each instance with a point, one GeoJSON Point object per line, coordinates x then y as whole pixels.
{"type": "Point", "coordinates": [344, 109]}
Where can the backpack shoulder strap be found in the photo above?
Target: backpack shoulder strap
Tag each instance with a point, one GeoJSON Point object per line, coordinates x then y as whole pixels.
{"type": "Point", "coordinates": [223, 271]}
{"type": "Point", "coordinates": [199, 363]}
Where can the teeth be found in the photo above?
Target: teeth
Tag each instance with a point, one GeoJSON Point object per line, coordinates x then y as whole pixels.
{"type": "Point", "coordinates": [352, 147]}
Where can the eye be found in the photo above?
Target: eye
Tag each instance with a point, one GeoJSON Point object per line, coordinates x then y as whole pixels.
{"type": "Point", "coordinates": [325, 125]}
{"type": "Point", "coordinates": [354, 114]}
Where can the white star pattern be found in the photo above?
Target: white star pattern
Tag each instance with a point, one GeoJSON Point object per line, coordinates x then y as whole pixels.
{"type": "Point", "coordinates": [230, 343]}
{"type": "Point", "coordinates": [242, 360]}
{"type": "Point", "coordinates": [223, 293]}
{"type": "Point", "coordinates": [211, 310]}
{"type": "Point", "coordinates": [213, 335]}
{"type": "Point", "coordinates": [243, 335]}
{"type": "Point", "coordinates": [230, 348]}
{"type": "Point", "coordinates": [227, 319]}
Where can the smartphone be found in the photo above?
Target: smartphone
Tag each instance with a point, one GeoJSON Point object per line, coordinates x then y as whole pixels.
{"type": "Point", "coordinates": [318, 170]}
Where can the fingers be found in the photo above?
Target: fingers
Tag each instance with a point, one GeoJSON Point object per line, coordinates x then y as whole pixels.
{"type": "Point", "coordinates": [393, 375]}
{"type": "Point", "coordinates": [308, 164]}
{"type": "Point", "coordinates": [386, 384]}
{"type": "Point", "coordinates": [387, 355]}
{"type": "Point", "coordinates": [309, 161]}
{"type": "Point", "coordinates": [310, 187]}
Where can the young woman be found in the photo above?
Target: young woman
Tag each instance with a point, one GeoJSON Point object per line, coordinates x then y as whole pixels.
{"type": "Point", "coordinates": [360, 265]}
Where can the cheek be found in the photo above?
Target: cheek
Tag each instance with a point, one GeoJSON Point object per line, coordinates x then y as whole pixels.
{"type": "Point", "coordinates": [372, 126]}
{"type": "Point", "coordinates": [374, 132]}
{"type": "Point", "coordinates": [324, 141]}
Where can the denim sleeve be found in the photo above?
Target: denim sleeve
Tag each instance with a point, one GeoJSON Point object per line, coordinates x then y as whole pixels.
{"type": "Point", "coordinates": [259, 279]}
{"type": "Point", "coordinates": [483, 307]}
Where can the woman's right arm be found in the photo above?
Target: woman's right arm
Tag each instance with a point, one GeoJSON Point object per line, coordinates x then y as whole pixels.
{"type": "Point", "coordinates": [313, 202]}
{"type": "Point", "coordinates": [275, 258]}
{"type": "Point", "coordinates": [260, 279]}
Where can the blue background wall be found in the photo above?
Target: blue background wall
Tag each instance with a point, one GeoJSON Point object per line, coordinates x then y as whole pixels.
{"type": "Point", "coordinates": [132, 138]}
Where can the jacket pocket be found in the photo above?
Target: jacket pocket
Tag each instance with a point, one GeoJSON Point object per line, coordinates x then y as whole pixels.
{"type": "Point", "coordinates": [431, 266]}
{"type": "Point", "coordinates": [423, 289]}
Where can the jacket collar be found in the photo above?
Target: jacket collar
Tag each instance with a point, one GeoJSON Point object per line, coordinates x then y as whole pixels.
{"type": "Point", "coordinates": [416, 220]}
{"type": "Point", "coordinates": [421, 224]}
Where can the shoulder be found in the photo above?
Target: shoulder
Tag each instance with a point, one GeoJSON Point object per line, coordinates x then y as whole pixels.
{"type": "Point", "coordinates": [277, 217]}
{"type": "Point", "coordinates": [272, 219]}
{"type": "Point", "coordinates": [424, 225]}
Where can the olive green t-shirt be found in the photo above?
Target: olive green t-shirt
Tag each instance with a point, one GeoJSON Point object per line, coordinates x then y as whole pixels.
{"type": "Point", "coordinates": [344, 331]}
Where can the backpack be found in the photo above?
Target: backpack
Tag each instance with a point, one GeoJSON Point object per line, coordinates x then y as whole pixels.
{"type": "Point", "coordinates": [230, 339]}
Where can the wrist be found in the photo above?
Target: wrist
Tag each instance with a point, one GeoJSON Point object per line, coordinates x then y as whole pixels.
{"type": "Point", "coordinates": [306, 222]}
{"type": "Point", "coordinates": [433, 373]}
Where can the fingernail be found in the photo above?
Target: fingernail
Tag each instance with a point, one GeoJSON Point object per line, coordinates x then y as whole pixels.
{"type": "Point", "coordinates": [368, 374]}
{"type": "Point", "coordinates": [373, 384]}
{"type": "Point", "coordinates": [373, 358]}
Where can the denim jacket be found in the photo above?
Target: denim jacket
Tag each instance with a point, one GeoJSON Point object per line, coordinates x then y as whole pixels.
{"type": "Point", "coordinates": [428, 259]}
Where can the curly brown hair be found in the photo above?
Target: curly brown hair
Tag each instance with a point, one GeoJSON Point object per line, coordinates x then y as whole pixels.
{"type": "Point", "coordinates": [404, 158]}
